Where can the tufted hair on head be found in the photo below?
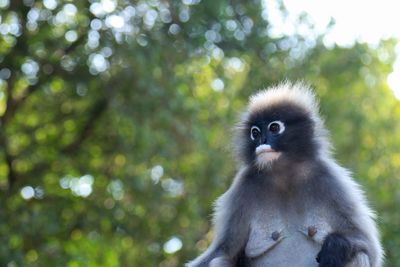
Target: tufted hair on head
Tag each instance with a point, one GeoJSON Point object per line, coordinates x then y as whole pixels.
{"type": "Point", "coordinates": [297, 94]}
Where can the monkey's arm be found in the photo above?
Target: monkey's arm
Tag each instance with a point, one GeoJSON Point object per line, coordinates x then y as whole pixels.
{"type": "Point", "coordinates": [230, 234]}
{"type": "Point", "coordinates": [354, 239]}
{"type": "Point", "coordinates": [341, 250]}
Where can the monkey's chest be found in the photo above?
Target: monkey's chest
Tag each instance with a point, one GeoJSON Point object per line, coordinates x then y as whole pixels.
{"type": "Point", "coordinates": [277, 241]}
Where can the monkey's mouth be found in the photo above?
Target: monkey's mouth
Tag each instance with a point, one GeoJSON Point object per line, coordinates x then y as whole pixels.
{"type": "Point", "coordinates": [264, 149]}
{"type": "Point", "coordinates": [265, 155]}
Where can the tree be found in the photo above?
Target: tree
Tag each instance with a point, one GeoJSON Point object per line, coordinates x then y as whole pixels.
{"type": "Point", "coordinates": [116, 117]}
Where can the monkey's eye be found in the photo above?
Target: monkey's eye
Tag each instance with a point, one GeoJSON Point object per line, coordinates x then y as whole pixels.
{"type": "Point", "coordinates": [276, 127]}
{"type": "Point", "coordinates": [255, 133]}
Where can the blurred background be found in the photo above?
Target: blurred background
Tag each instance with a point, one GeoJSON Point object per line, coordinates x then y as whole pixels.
{"type": "Point", "coordinates": [116, 116]}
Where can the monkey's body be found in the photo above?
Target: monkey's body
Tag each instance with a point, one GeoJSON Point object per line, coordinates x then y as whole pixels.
{"type": "Point", "coordinates": [283, 229]}
{"type": "Point", "coordinates": [278, 230]}
{"type": "Point", "coordinates": [299, 207]}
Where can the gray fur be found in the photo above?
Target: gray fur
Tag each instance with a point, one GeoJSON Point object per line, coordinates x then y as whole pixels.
{"type": "Point", "coordinates": [267, 213]}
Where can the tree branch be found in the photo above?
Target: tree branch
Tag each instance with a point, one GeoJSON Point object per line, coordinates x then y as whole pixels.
{"type": "Point", "coordinates": [96, 111]}
{"type": "Point", "coordinates": [12, 176]}
{"type": "Point", "coordinates": [13, 104]}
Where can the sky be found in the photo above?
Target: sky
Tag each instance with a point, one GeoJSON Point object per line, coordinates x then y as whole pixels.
{"type": "Point", "coordinates": [355, 20]}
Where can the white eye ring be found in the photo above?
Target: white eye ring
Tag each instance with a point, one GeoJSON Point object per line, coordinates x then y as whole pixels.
{"type": "Point", "coordinates": [281, 127]}
{"type": "Point", "coordinates": [251, 132]}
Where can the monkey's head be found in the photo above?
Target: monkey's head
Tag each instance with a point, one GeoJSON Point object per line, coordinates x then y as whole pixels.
{"type": "Point", "coordinates": [280, 123]}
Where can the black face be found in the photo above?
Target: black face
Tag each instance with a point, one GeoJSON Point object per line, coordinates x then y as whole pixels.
{"type": "Point", "coordinates": [285, 127]}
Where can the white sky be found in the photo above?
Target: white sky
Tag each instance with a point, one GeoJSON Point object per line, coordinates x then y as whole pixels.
{"type": "Point", "coordinates": [355, 20]}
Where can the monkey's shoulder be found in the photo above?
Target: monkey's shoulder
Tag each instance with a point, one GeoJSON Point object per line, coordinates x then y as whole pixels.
{"type": "Point", "coordinates": [327, 188]}
{"type": "Point", "coordinates": [319, 180]}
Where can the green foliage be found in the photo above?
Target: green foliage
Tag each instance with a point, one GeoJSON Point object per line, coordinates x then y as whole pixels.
{"type": "Point", "coordinates": [116, 123]}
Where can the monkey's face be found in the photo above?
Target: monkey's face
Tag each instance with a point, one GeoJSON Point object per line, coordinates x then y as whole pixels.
{"type": "Point", "coordinates": [283, 130]}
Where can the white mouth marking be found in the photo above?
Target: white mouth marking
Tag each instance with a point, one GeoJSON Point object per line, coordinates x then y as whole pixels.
{"type": "Point", "coordinates": [264, 149]}
{"type": "Point", "coordinates": [266, 155]}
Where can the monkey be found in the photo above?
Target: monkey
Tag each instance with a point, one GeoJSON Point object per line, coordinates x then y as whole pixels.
{"type": "Point", "coordinates": [290, 203]}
